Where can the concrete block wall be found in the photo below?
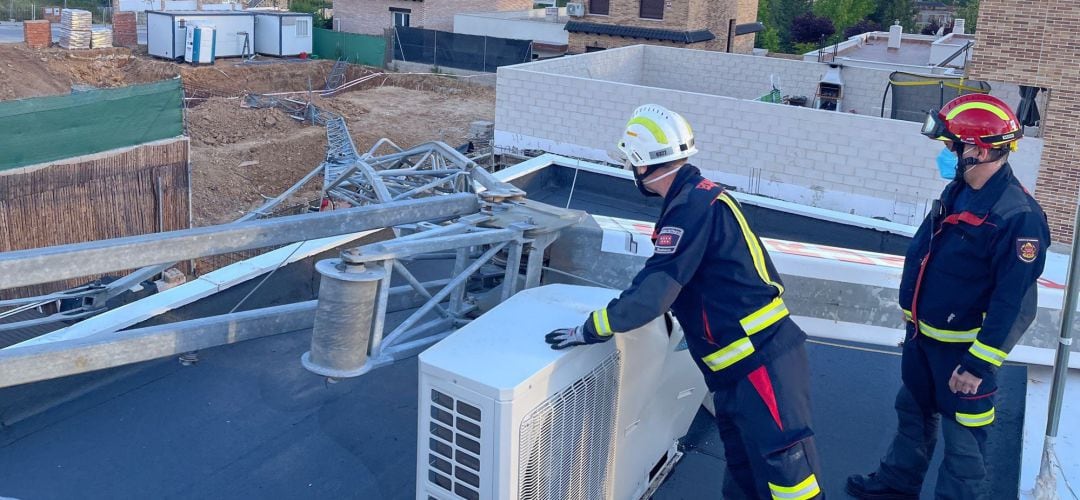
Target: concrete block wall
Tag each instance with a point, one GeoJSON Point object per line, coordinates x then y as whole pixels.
{"type": "Point", "coordinates": [747, 77]}
{"type": "Point", "coordinates": [579, 43]}
{"type": "Point", "coordinates": [865, 165]}
{"type": "Point", "coordinates": [623, 65]}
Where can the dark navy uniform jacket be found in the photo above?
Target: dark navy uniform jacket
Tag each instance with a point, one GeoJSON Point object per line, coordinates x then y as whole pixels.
{"type": "Point", "coordinates": [970, 276]}
{"type": "Point", "coordinates": [712, 271]}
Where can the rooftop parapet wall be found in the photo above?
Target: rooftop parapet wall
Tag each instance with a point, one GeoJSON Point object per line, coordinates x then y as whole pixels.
{"type": "Point", "coordinates": [852, 163]}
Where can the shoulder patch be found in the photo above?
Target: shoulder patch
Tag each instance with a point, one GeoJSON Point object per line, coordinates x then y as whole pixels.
{"type": "Point", "coordinates": [706, 184]}
{"type": "Point", "coordinates": [1027, 249]}
{"type": "Point", "coordinates": [667, 240]}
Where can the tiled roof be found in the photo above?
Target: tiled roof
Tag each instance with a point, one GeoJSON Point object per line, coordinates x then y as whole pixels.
{"type": "Point", "coordinates": [636, 32]}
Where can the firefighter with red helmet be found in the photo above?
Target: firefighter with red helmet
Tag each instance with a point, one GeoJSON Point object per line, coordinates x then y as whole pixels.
{"type": "Point", "coordinates": [968, 292]}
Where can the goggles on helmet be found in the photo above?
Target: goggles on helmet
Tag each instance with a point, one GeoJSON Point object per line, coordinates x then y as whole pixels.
{"type": "Point", "coordinates": [936, 128]}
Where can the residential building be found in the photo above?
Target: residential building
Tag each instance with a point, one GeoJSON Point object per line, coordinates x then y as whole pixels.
{"type": "Point", "coordinates": [720, 25]}
{"type": "Point", "coordinates": [374, 16]}
{"type": "Point", "coordinates": [900, 51]}
{"type": "Point", "coordinates": [1032, 43]}
{"type": "Point", "coordinates": [544, 27]}
{"type": "Point", "coordinates": [933, 13]}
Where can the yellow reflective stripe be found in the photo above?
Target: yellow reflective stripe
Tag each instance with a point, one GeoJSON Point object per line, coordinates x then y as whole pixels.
{"type": "Point", "coordinates": [977, 105]}
{"type": "Point", "coordinates": [600, 322]}
{"type": "Point", "coordinates": [756, 253]}
{"type": "Point", "coordinates": [949, 335]}
{"type": "Point", "coordinates": [975, 420]}
{"type": "Point", "coordinates": [729, 355]}
{"type": "Point", "coordinates": [764, 317]}
{"type": "Point", "coordinates": [805, 490]}
{"type": "Point", "coordinates": [987, 353]}
{"type": "Point", "coordinates": [907, 315]}
{"type": "Point", "coordinates": [651, 126]}
{"type": "Point", "coordinates": [957, 86]}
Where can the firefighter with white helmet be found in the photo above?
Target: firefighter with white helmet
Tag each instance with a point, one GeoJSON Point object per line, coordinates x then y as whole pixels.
{"type": "Point", "coordinates": [711, 270]}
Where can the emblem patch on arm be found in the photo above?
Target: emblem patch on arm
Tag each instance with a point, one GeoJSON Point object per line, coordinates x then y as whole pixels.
{"type": "Point", "coordinates": [1027, 249]}
{"type": "Point", "coordinates": [667, 240]}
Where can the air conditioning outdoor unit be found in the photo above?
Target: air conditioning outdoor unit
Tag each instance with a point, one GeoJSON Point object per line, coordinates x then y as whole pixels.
{"type": "Point", "coordinates": [502, 416]}
{"type": "Point", "coordinates": [575, 9]}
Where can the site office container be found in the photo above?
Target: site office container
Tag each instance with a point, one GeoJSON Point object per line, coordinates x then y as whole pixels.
{"type": "Point", "coordinates": [279, 33]}
{"type": "Point", "coordinates": [166, 32]}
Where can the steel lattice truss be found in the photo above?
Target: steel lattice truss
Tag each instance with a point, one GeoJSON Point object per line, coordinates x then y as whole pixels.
{"type": "Point", "coordinates": [428, 169]}
{"type": "Point", "coordinates": [360, 179]}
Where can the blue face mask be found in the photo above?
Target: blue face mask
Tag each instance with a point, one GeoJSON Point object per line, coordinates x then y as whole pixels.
{"type": "Point", "coordinates": [946, 164]}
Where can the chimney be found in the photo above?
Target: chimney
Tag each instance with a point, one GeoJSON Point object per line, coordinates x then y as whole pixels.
{"type": "Point", "coordinates": [895, 33]}
{"type": "Point", "coordinates": [958, 26]}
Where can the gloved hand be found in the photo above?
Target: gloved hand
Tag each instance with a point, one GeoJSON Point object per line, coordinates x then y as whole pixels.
{"type": "Point", "coordinates": [567, 337]}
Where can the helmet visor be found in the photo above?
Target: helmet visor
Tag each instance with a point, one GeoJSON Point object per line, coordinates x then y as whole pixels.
{"type": "Point", "coordinates": [935, 128]}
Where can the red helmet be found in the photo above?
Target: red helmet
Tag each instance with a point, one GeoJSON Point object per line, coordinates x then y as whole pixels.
{"type": "Point", "coordinates": [979, 119]}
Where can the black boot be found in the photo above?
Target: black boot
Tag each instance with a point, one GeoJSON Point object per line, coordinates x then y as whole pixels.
{"type": "Point", "coordinates": [869, 487]}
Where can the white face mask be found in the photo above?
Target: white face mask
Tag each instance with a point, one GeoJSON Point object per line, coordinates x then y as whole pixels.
{"type": "Point", "coordinates": [673, 172]}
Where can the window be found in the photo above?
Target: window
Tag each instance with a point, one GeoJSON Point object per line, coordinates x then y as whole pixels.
{"type": "Point", "coordinates": [652, 9]}
{"type": "Point", "coordinates": [402, 18]}
{"type": "Point", "coordinates": [302, 28]}
{"type": "Point", "coordinates": [599, 7]}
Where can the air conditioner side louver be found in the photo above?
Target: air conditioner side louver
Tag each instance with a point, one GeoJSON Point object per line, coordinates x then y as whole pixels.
{"type": "Point", "coordinates": [567, 441]}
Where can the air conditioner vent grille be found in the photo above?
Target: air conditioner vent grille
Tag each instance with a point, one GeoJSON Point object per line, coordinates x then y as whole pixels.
{"type": "Point", "coordinates": [566, 442]}
{"type": "Point", "coordinates": [454, 461]}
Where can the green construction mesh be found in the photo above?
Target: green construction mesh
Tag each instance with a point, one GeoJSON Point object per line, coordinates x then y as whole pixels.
{"type": "Point", "coordinates": [51, 128]}
{"type": "Point", "coordinates": [357, 49]}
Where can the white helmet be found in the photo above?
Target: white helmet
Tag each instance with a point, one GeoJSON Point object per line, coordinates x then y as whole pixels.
{"type": "Point", "coordinates": [655, 135]}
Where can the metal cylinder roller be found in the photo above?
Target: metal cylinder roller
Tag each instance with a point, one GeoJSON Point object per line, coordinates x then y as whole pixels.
{"type": "Point", "coordinates": [343, 319]}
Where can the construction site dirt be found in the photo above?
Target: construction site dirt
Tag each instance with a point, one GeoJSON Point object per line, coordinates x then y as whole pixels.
{"type": "Point", "coordinates": [241, 156]}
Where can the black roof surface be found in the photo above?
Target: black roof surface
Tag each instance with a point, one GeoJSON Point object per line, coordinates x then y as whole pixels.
{"type": "Point", "coordinates": [636, 32]}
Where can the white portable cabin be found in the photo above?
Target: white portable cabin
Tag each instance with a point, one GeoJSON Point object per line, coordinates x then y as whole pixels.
{"type": "Point", "coordinates": [166, 32]}
{"type": "Point", "coordinates": [279, 33]}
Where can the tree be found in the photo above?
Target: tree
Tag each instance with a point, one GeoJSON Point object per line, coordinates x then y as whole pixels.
{"type": "Point", "coordinates": [783, 13]}
{"type": "Point", "coordinates": [764, 16]}
{"type": "Point", "coordinates": [844, 13]}
{"type": "Point", "coordinates": [895, 10]}
{"type": "Point", "coordinates": [861, 27]}
{"type": "Point", "coordinates": [809, 28]}
{"type": "Point", "coordinates": [768, 40]}
{"type": "Point", "coordinates": [969, 12]}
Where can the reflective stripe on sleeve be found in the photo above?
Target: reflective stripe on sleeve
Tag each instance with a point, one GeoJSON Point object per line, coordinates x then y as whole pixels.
{"type": "Point", "coordinates": [600, 323]}
{"type": "Point", "coordinates": [766, 316]}
{"type": "Point", "coordinates": [727, 356]}
{"type": "Point", "coordinates": [986, 353]}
